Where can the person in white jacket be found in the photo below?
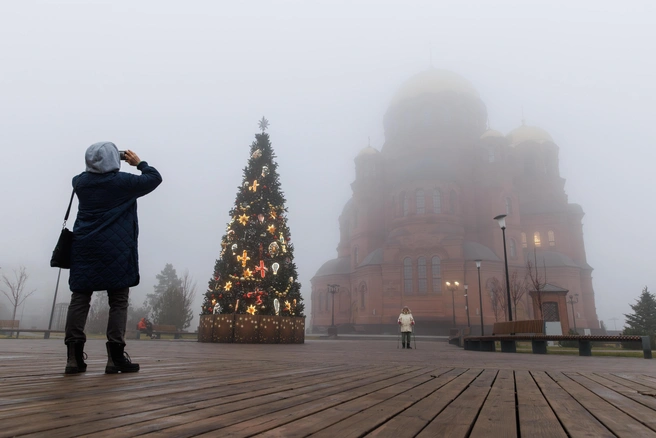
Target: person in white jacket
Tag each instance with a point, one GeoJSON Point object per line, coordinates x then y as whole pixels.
{"type": "Point", "coordinates": [406, 321]}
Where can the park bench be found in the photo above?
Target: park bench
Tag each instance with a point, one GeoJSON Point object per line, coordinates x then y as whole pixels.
{"type": "Point", "coordinates": [508, 333]}
{"type": "Point", "coordinates": [457, 336]}
{"type": "Point", "coordinates": [46, 332]}
{"type": "Point", "coordinates": [9, 324]}
{"type": "Point", "coordinates": [163, 329]}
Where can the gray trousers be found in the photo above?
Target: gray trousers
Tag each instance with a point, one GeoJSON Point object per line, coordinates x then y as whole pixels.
{"type": "Point", "coordinates": [405, 338]}
{"type": "Point", "coordinates": [78, 311]}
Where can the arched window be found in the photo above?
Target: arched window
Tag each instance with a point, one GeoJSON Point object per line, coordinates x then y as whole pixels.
{"type": "Point", "coordinates": [536, 239]}
{"type": "Point", "coordinates": [437, 201]}
{"type": "Point", "coordinates": [552, 238]}
{"type": "Point", "coordinates": [320, 296]}
{"type": "Point", "coordinates": [453, 201]}
{"type": "Point", "coordinates": [363, 290]}
{"type": "Point", "coordinates": [326, 307]}
{"type": "Point", "coordinates": [508, 206]}
{"type": "Point", "coordinates": [512, 249]}
{"type": "Point", "coordinates": [405, 204]}
{"type": "Point", "coordinates": [407, 276]}
{"type": "Point", "coordinates": [420, 201]}
{"type": "Point", "coordinates": [436, 274]}
{"type": "Point", "coordinates": [422, 283]}
{"type": "Point", "coordinates": [524, 242]}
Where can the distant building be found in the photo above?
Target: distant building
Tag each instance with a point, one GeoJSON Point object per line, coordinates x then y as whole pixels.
{"type": "Point", "coordinates": [422, 212]}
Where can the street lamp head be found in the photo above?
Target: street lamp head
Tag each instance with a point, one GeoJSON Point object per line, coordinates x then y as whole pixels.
{"type": "Point", "coordinates": [456, 283]}
{"type": "Point", "coordinates": [466, 287]}
{"type": "Point", "coordinates": [478, 264]}
{"type": "Point", "coordinates": [501, 219]}
{"type": "Point", "coordinates": [448, 283]}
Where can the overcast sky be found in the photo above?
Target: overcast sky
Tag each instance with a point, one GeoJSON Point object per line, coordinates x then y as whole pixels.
{"type": "Point", "coordinates": [183, 84]}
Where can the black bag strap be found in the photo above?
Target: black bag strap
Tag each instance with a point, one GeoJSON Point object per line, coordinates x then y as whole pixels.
{"type": "Point", "coordinates": [68, 210]}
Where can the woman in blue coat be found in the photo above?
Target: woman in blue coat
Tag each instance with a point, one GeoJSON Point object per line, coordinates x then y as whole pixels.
{"type": "Point", "coordinates": [105, 254]}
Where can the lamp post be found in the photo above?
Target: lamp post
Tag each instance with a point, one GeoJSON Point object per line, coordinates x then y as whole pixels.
{"type": "Point", "coordinates": [453, 287]}
{"type": "Point", "coordinates": [46, 335]}
{"type": "Point", "coordinates": [467, 304]}
{"type": "Point", "coordinates": [480, 294]}
{"type": "Point", "coordinates": [573, 301]}
{"type": "Point", "coordinates": [502, 223]}
{"type": "Point", "coordinates": [333, 289]}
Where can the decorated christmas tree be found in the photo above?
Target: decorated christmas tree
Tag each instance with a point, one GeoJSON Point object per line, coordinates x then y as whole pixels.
{"type": "Point", "coordinates": [255, 272]}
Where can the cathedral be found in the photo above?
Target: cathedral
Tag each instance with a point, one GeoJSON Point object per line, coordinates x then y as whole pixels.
{"type": "Point", "coordinates": [420, 228]}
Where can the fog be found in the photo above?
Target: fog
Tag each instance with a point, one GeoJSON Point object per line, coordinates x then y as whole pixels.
{"type": "Point", "coordinates": [183, 84]}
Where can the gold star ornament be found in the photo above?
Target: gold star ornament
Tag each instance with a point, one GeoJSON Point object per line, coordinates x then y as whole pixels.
{"type": "Point", "coordinates": [243, 219]}
{"type": "Point", "coordinates": [251, 309]}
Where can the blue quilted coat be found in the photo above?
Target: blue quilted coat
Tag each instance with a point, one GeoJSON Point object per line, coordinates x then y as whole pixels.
{"type": "Point", "coordinates": [105, 254]}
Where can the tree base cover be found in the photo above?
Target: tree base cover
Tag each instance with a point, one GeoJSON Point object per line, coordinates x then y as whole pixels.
{"type": "Point", "coordinates": [252, 329]}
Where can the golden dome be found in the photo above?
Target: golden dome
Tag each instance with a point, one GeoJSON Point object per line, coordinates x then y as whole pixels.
{"type": "Point", "coordinates": [367, 151]}
{"type": "Point", "coordinates": [528, 133]}
{"type": "Point", "coordinates": [433, 81]}
{"type": "Point", "coordinates": [492, 133]}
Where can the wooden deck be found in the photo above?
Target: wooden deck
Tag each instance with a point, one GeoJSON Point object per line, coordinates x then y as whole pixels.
{"type": "Point", "coordinates": [323, 389]}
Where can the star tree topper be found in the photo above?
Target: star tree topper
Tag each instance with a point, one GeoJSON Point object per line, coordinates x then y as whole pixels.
{"type": "Point", "coordinates": [263, 124]}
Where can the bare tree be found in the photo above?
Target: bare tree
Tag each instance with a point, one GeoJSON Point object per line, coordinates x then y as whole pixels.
{"type": "Point", "coordinates": [498, 292]}
{"type": "Point", "coordinates": [497, 297]}
{"type": "Point", "coordinates": [538, 280]}
{"type": "Point", "coordinates": [518, 288]}
{"type": "Point", "coordinates": [14, 289]}
{"type": "Point", "coordinates": [188, 295]}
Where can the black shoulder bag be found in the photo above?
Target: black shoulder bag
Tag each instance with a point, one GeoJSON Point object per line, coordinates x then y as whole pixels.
{"type": "Point", "coordinates": [61, 256]}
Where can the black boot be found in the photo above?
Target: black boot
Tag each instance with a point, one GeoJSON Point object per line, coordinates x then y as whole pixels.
{"type": "Point", "coordinates": [118, 361]}
{"type": "Point", "coordinates": [75, 358]}
{"type": "Point", "coordinates": [404, 345]}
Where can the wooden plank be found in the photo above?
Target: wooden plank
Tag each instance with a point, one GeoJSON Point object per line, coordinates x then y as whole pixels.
{"type": "Point", "coordinates": [614, 419]}
{"type": "Point", "coordinates": [497, 417]}
{"type": "Point", "coordinates": [647, 400]}
{"type": "Point", "coordinates": [576, 420]}
{"type": "Point", "coordinates": [625, 382]}
{"type": "Point", "coordinates": [118, 405]}
{"type": "Point", "coordinates": [328, 421]}
{"type": "Point", "coordinates": [208, 419]}
{"type": "Point", "coordinates": [359, 416]}
{"type": "Point", "coordinates": [412, 420]}
{"type": "Point", "coordinates": [457, 419]}
{"type": "Point", "coordinates": [350, 388]}
{"type": "Point", "coordinates": [630, 407]}
{"type": "Point", "coordinates": [638, 379]}
{"type": "Point", "coordinates": [536, 418]}
{"type": "Point", "coordinates": [217, 396]}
